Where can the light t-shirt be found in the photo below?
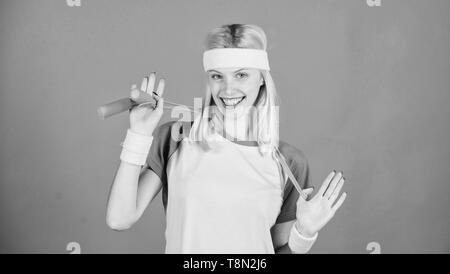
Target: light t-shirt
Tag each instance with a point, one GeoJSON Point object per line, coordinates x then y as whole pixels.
{"type": "Point", "coordinates": [224, 200]}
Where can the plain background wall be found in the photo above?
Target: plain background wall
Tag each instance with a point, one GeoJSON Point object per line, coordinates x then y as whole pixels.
{"type": "Point", "coordinates": [364, 89]}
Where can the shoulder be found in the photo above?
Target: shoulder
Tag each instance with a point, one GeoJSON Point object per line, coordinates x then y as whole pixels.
{"type": "Point", "coordinates": [297, 162]}
{"type": "Point", "coordinates": [294, 156]}
{"type": "Point", "coordinates": [172, 131]}
{"type": "Point", "coordinates": [166, 140]}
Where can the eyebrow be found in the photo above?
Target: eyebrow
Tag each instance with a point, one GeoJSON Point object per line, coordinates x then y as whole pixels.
{"type": "Point", "coordinates": [213, 70]}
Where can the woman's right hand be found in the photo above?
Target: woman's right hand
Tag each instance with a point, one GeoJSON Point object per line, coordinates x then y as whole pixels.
{"type": "Point", "coordinates": [143, 118]}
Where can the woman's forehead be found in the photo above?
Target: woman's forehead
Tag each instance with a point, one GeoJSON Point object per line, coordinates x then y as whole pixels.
{"type": "Point", "coordinates": [232, 70]}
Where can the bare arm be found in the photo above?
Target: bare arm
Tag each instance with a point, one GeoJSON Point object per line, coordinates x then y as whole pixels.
{"type": "Point", "coordinates": [135, 186]}
{"type": "Point", "coordinates": [131, 192]}
{"type": "Point", "coordinates": [280, 236]}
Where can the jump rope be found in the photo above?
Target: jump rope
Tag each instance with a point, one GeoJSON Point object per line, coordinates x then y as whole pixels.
{"type": "Point", "coordinates": [215, 58]}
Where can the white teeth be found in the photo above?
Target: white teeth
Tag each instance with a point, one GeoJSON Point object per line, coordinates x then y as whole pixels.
{"type": "Point", "coordinates": [233, 101]}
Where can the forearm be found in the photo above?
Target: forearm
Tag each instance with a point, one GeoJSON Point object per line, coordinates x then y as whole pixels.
{"type": "Point", "coordinates": [121, 209]}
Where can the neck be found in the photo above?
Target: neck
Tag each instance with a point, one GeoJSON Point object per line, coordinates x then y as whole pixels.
{"type": "Point", "coordinates": [232, 127]}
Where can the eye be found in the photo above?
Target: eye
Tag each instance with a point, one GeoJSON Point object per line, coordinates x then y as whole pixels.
{"type": "Point", "coordinates": [241, 75]}
{"type": "Point", "coordinates": [215, 76]}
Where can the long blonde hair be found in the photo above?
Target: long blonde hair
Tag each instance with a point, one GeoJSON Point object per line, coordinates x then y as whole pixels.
{"type": "Point", "coordinates": [267, 128]}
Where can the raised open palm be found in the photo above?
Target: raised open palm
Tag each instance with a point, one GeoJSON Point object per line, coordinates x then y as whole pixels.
{"type": "Point", "coordinates": [313, 214]}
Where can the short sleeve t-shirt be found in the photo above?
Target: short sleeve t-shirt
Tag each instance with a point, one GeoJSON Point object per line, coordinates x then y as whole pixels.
{"type": "Point", "coordinates": [223, 200]}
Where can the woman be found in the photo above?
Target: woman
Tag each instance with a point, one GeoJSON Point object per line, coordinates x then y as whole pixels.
{"type": "Point", "coordinates": [225, 189]}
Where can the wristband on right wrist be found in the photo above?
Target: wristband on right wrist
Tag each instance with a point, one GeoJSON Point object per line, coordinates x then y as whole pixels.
{"type": "Point", "coordinates": [135, 148]}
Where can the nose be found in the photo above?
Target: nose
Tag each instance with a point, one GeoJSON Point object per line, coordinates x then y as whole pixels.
{"type": "Point", "coordinates": [228, 87]}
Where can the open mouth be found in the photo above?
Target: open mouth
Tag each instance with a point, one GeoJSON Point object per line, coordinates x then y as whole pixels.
{"type": "Point", "coordinates": [232, 102]}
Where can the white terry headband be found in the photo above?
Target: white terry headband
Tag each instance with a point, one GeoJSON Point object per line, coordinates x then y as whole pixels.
{"type": "Point", "coordinates": [235, 57]}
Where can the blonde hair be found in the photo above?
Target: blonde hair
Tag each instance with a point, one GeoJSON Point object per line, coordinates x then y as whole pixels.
{"type": "Point", "coordinates": [267, 128]}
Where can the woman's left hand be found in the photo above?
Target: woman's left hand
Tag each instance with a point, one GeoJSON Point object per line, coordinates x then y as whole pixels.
{"type": "Point", "coordinates": [314, 213]}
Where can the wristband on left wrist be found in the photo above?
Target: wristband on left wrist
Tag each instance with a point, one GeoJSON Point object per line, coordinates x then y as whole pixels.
{"type": "Point", "coordinates": [298, 243]}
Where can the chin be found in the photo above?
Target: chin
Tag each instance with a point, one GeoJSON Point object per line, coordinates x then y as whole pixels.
{"type": "Point", "coordinates": [231, 113]}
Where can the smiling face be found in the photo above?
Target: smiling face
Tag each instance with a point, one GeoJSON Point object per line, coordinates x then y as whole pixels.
{"type": "Point", "coordinates": [234, 89]}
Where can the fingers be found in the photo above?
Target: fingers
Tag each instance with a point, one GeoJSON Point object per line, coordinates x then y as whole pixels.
{"type": "Point", "coordinates": [148, 86]}
{"type": "Point", "coordinates": [160, 105]}
{"type": "Point", "coordinates": [336, 191]}
{"type": "Point", "coordinates": [158, 93]}
{"type": "Point", "coordinates": [151, 83]}
{"type": "Point", "coordinates": [339, 202]}
{"type": "Point", "coordinates": [144, 84]}
{"type": "Point", "coordinates": [161, 86]}
{"type": "Point", "coordinates": [325, 183]}
{"type": "Point", "coordinates": [332, 185]}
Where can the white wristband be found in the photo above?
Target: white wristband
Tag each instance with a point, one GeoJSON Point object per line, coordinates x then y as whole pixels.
{"type": "Point", "coordinates": [299, 243]}
{"type": "Point", "coordinates": [135, 148]}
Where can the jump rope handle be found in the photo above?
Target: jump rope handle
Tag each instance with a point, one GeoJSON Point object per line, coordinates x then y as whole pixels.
{"type": "Point", "coordinates": [136, 98]}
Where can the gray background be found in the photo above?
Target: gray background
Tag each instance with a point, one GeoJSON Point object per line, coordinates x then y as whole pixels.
{"type": "Point", "coordinates": [364, 89]}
